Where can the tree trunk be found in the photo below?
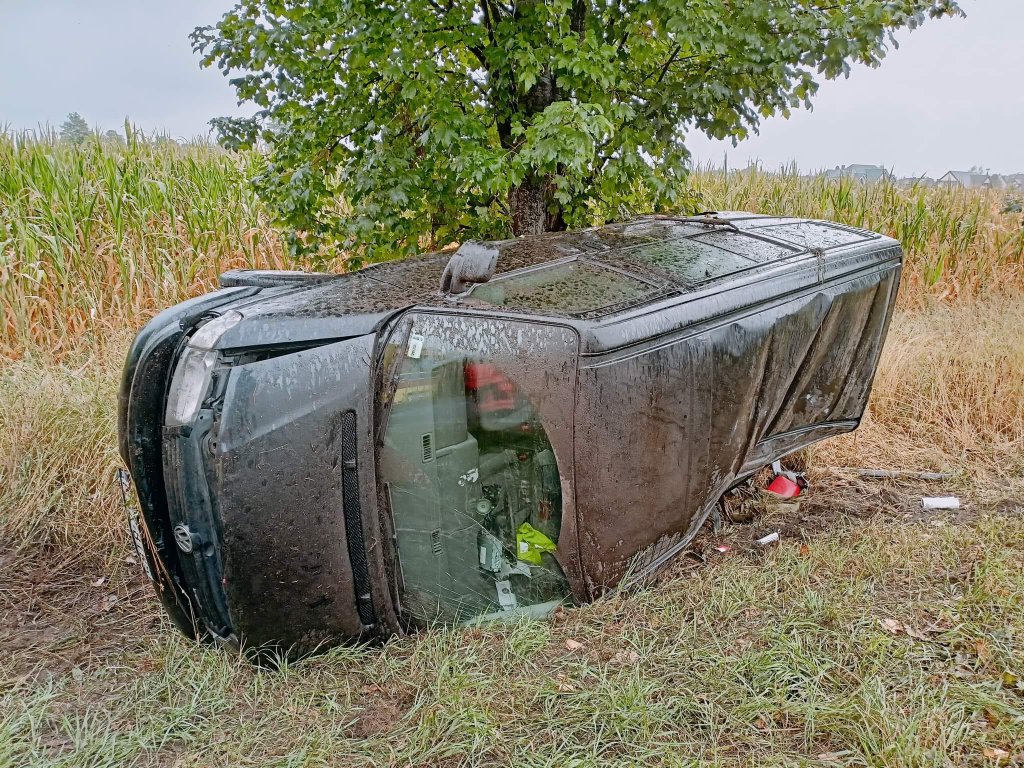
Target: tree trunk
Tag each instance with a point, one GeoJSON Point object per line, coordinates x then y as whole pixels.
{"type": "Point", "coordinates": [534, 210]}
{"type": "Point", "coordinates": [529, 207]}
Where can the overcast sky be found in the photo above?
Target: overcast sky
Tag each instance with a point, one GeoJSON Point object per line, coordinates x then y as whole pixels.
{"type": "Point", "coordinates": [949, 98]}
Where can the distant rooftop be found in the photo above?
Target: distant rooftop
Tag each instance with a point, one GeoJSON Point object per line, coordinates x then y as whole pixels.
{"type": "Point", "coordinates": [859, 172]}
{"type": "Point", "coordinates": [972, 179]}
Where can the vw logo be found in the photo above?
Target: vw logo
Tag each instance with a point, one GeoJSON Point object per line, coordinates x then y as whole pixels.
{"type": "Point", "coordinates": [183, 538]}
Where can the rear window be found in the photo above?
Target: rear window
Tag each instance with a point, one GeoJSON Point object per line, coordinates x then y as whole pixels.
{"type": "Point", "coordinates": [573, 287]}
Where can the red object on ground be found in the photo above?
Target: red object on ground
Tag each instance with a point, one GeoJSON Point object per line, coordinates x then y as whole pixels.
{"type": "Point", "coordinates": [784, 487]}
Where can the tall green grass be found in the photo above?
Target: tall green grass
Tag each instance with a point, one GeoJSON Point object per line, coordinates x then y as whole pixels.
{"type": "Point", "coordinates": [100, 235]}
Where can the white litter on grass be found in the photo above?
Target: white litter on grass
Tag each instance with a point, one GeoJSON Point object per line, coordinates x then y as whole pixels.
{"type": "Point", "coordinates": [940, 502]}
{"type": "Point", "coordinates": [771, 538]}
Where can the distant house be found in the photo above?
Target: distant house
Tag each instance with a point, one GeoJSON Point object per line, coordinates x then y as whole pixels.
{"type": "Point", "coordinates": [865, 173]}
{"type": "Point", "coordinates": [1015, 180]}
{"type": "Point", "coordinates": [972, 180]}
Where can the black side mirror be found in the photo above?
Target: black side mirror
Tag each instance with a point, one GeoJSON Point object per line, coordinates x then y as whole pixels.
{"type": "Point", "coordinates": [473, 262]}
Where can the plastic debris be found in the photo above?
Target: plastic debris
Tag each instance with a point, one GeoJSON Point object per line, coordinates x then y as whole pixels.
{"type": "Point", "coordinates": [940, 502]}
{"type": "Point", "coordinates": [771, 538]}
{"type": "Point", "coordinates": [780, 496]}
{"type": "Point", "coordinates": [783, 487]}
{"type": "Point", "coordinates": [723, 548]}
{"type": "Point", "coordinates": [531, 543]}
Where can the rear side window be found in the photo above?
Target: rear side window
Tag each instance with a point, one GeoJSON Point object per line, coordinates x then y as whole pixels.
{"type": "Point", "coordinates": [573, 287]}
{"type": "Point", "coordinates": [812, 234]}
{"type": "Point", "coordinates": [750, 247]}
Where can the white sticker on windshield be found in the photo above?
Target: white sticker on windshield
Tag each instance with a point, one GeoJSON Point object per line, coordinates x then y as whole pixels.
{"type": "Point", "coordinates": [415, 346]}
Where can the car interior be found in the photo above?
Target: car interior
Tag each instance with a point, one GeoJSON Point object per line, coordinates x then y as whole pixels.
{"type": "Point", "coordinates": [473, 487]}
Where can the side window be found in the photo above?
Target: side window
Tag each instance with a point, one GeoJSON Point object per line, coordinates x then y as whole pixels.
{"type": "Point", "coordinates": [567, 288]}
{"type": "Point", "coordinates": [814, 234]}
{"type": "Point", "coordinates": [688, 261]}
{"type": "Point", "coordinates": [469, 468]}
{"type": "Point", "coordinates": [749, 247]}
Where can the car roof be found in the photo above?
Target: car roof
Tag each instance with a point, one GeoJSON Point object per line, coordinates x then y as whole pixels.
{"type": "Point", "coordinates": [586, 277]}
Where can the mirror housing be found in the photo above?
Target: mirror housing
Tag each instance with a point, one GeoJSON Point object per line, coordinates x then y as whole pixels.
{"type": "Point", "coordinates": [474, 262]}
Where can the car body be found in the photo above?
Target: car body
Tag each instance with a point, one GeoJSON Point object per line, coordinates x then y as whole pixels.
{"type": "Point", "coordinates": [490, 433]}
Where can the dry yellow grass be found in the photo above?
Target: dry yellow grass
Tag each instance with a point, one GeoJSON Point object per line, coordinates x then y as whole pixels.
{"type": "Point", "coordinates": [948, 396]}
{"type": "Point", "coordinates": [58, 453]}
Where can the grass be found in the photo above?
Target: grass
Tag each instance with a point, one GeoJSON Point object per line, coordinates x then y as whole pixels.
{"type": "Point", "coordinates": [58, 453]}
{"type": "Point", "coordinates": [877, 643]}
{"type": "Point", "coordinates": [872, 635]}
{"type": "Point", "coordinates": [948, 396]}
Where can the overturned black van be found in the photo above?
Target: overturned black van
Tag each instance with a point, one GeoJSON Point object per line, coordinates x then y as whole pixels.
{"type": "Point", "coordinates": [490, 433]}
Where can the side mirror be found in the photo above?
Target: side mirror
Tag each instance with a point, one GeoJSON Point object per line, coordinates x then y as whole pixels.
{"type": "Point", "coordinates": [473, 262]}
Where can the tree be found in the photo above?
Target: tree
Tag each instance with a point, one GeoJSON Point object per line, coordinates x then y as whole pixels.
{"type": "Point", "coordinates": [433, 120]}
{"type": "Point", "coordinates": [75, 130]}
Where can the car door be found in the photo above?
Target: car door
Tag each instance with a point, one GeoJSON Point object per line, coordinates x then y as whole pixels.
{"type": "Point", "coordinates": [475, 464]}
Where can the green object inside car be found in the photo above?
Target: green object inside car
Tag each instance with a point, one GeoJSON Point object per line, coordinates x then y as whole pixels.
{"type": "Point", "coordinates": [531, 543]}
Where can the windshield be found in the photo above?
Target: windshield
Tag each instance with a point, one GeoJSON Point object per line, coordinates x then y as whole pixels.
{"type": "Point", "coordinates": [468, 468]}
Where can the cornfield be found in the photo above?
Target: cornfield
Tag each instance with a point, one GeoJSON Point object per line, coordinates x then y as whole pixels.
{"type": "Point", "coordinates": [958, 243]}
{"type": "Point", "coordinates": [98, 236]}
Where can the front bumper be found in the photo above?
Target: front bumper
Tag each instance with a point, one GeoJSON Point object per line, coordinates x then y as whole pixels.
{"type": "Point", "coordinates": [141, 404]}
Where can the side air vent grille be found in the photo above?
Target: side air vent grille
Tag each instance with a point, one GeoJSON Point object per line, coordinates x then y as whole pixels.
{"type": "Point", "coordinates": [427, 441]}
{"type": "Point", "coordinates": [435, 542]}
{"type": "Point", "coordinates": [354, 519]}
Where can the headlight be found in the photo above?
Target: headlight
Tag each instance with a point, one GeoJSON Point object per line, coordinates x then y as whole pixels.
{"type": "Point", "coordinates": [195, 369]}
{"type": "Point", "coordinates": [189, 385]}
{"type": "Point", "coordinates": [209, 334]}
